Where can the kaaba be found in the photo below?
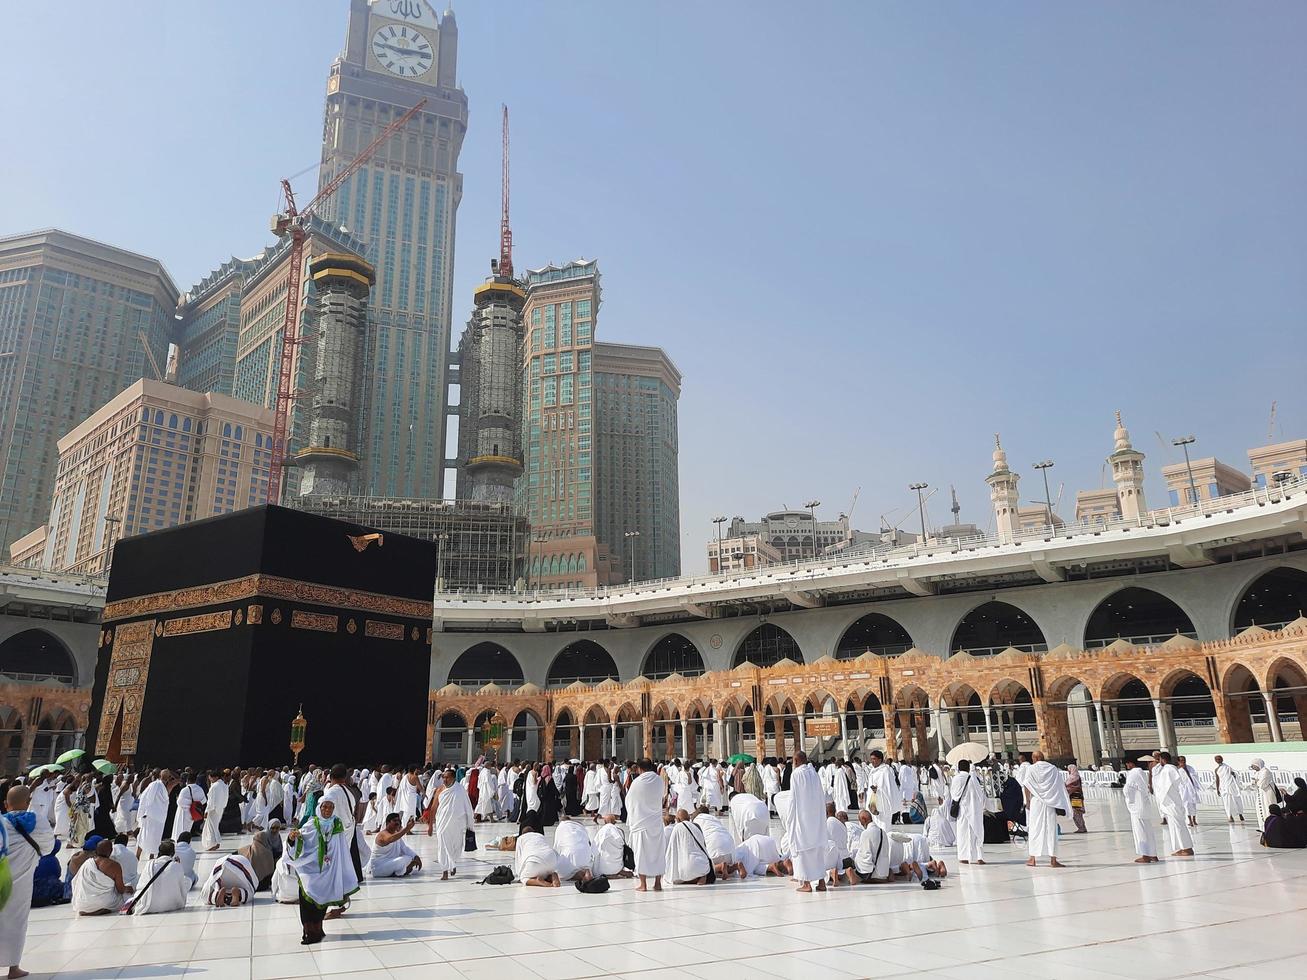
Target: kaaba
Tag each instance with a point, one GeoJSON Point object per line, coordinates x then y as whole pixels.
{"type": "Point", "coordinates": [217, 633]}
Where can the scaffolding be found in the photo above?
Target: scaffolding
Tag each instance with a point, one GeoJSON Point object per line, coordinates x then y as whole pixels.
{"type": "Point", "coordinates": [480, 547]}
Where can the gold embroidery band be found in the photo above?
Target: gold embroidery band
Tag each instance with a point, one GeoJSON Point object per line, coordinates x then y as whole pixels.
{"type": "Point", "coordinates": [202, 623]}
{"type": "Point", "coordinates": [302, 620]}
{"type": "Point", "coordinates": [384, 631]}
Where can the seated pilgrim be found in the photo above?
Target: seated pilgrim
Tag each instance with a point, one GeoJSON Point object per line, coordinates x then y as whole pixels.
{"type": "Point", "coordinates": [286, 880]}
{"type": "Point", "coordinates": [534, 861]}
{"type": "Point", "coordinates": [574, 850]}
{"type": "Point", "coordinates": [126, 858]}
{"type": "Point", "coordinates": [186, 855]}
{"type": "Point", "coordinates": [687, 855]}
{"type": "Point", "coordinates": [98, 887]}
{"type": "Point", "coordinates": [609, 842]}
{"type": "Point", "coordinates": [1284, 829]}
{"type": "Point", "coordinates": [163, 883]}
{"type": "Point", "coordinates": [749, 816]}
{"type": "Point", "coordinates": [871, 858]}
{"type": "Point", "coordinates": [391, 856]}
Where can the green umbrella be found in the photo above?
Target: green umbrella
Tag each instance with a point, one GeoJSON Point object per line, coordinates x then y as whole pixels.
{"type": "Point", "coordinates": [104, 766]}
{"type": "Point", "coordinates": [741, 757]}
{"type": "Point", "coordinates": [71, 755]}
{"type": "Point", "coordinates": [42, 770]}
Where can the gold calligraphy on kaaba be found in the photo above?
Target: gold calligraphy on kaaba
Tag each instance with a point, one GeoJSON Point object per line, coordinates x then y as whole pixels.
{"type": "Point", "coordinates": [383, 631]}
{"type": "Point", "coordinates": [129, 670]}
{"type": "Point", "coordinates": [201, 623]}
{"type": "Point", "coordinates": [302, 619]}
{"type": "Point", "coordinates": [266, 587]}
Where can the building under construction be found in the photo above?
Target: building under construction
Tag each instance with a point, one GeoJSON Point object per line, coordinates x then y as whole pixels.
{"type": "Point", "coordinates": [480, 546]}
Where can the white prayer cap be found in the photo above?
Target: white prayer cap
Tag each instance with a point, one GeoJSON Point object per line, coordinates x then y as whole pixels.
{"type": "Point", "coordinates": [1257, 764]}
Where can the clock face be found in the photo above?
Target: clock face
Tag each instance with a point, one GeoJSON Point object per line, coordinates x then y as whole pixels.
{"type": "Point", "coordinates": [402, 51]}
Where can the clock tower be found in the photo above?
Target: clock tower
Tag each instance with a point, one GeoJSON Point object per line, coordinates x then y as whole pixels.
{"type": "Point", "coordinates": [403, 203]}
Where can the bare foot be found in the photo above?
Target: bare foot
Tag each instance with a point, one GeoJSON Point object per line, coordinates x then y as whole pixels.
{"type": "Point", "coordinates": [1055, 863]}
{"type": "Point", "coordinates": [980, 862]}
{"type": "Point", "coordinates": [805, 887]}
{"type": "Point", "coordinates": [1143, 860]}
{"type": "Point", "coordinates": [16, 972]}
{"type": "Point", "coordinates": [1030, 863]}
{"type": "Point", "coordinates": [658, 887]}
{"type": "Point", "coordinates": [641, 888]}
{"type": "Point", "coordinates": [964, 862]}
{"type": "Point", "coordinates": [335, 913]}
{"type": "Point", "coordinates": [821, 886]}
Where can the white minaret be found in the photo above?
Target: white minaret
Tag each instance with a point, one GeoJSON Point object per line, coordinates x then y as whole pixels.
{"type": "Point", "coordinates": [1128, 474]}
{"type": "Point", "coordinates": [1003, 492]}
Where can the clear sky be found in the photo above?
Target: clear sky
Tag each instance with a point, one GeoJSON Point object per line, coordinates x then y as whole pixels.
{"type": "Point", "coordinates": [869, 234]}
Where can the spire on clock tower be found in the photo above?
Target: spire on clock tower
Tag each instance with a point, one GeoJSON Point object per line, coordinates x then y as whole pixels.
{"type": "Point", "coordinates": [1003, 493]}
{"type": "Point", "coordinates": [1127, 464]}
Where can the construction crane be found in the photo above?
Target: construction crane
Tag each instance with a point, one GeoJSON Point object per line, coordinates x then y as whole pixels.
{"type": "Point", "coordinates": [154, 364]}
{"type": "Point", "coordinates": [505, 232]}
{"type": "Point", "coordinates": [853, 504]}
{"type": "Point", "coordinates": [294, 222]}
{"type": "Point", "coordinates": [1270, 424]}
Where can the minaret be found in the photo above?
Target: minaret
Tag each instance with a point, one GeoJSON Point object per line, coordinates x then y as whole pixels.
{"type": "Point", "coordinates": [1128, 474]}
{"type": "Point", "coordinates": [1003, 492]}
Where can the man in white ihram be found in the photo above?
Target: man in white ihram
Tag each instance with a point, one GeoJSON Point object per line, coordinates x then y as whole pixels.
{"type": "Point", "coordinates": [749, 816]}
{"type": "Point", "coordinates": [687, 855]}
{"type": "Point", "coordinates": [1136, 794]}
{"type": "Point", "coordinates": [884, 782]}
{"type": "Point", "coordinates": [1227, 788]}
{"type": "Point", "coordinates": [1046, 800]}
{"type": "Point", "coordinates": [1169, 790]}
{"type": "Point", "coordinates": [608, 844]}
{"type": "Point", "coordinates": [453, 819]}
{"type": "Point", "coordinates": [644, 815]}
{"type": "Point", "coordinates": [807, 825]}
{"type": "Point", "coordinates": [969, 796]}
{"type": "Point", "coordinates": [153, 812]}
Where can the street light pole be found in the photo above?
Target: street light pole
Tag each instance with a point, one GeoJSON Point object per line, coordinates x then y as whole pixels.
{"type": "Point", "coordinates": [632, 536]}
{"type": "Point", "coordinates": [812, 506]}
{"type": "Point", "coordinates": [921, 506]}
{"type": "Point", "coordinates": [441, 538]}
{"type": "Point", "coordinates": [1043, 466]}
{"type": "Point", "coordinates": [719, 521]}
{"type": "Point", "coordinates": [1184, 442]}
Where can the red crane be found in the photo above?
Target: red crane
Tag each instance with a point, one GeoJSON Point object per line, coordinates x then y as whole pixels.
{"type": "Point", "coordinates": [294, 222]}
{"type": "Point", "coordinates": [505, 232]}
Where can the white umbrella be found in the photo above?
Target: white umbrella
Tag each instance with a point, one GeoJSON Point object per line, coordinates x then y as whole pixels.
{"type": "Point", "coordinates": [971, 751]}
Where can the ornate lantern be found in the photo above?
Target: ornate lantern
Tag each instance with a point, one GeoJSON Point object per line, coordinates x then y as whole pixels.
{"type": "Point", "coordinates": [298, 727]}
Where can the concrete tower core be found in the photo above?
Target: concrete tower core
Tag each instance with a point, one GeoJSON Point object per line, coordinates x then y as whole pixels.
{"type": "Point", "coordinates": [490, 382]}
{"type": "Point", "coordinates": [331, 460]}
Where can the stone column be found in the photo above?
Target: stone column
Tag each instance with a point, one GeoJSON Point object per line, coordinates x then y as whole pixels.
{"type": "Point", "coordinates": [508, 745]}
{"type": "Point", "coordinates": [989, 731]}
{"type": "Point", "coordinates": [580, 737]}
{"type": "Point", "coordinates": [923, 750]}
{"type": "Point", "coordinates": [844, 735]}
{"type": "Point", "coordinates": [1104, 750]}
{"type": "Point", "coordinates": [721, 735]}
{"type": "Point", "coordinates": [1159, 716]}
{"type": "Point", "coordinates": [646, 738]}
{"type": "Point", "coordinates": [760, 734]}
{"type": "Point", "coordinates": [685, 739]}
{"type": "Point", "coordinates": [803, 735]}
{"type": "Point", "coordinates": [891, 717]}
{"type": "Point", "coordinates": [939, 733]}
{"type": "Point", "coordinates": [471, 745]}
{"type": "Point", "coordinates": [612, 731]}
{"type": "Point", "coordinates": [1273, 717]}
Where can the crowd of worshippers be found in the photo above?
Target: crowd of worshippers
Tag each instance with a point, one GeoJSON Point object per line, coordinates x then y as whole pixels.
{"type": "Point", "coordinates": [134, 836]}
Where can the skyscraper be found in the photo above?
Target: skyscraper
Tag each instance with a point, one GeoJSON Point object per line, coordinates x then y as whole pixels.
{"type": "Point", "coordinates": [79, 322]}
{"type": "Point", "coordinates": [557, 490]}
{"type": "Point", "coordinates": [403, 204]}
{"type": "Point", "coordinates": [637, 484]}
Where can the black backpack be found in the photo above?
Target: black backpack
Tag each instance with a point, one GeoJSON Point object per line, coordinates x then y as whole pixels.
{"type": "Point", "coordinates": [595, 886]}
{"type": "Point", "coordinates": [500, 876]}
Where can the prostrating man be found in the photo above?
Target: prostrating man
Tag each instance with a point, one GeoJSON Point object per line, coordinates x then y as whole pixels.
{"type": "Point", "coordinates": [884, 782]}
{"type": "Point", "coordinates": [1227, 788]}
{"type": "Point", "coordinates": [609, 843]}
{"type": "Point", "coordinates": [719, 843]}
{"type": "Point", "coordinates": [687, 856]}
{"type": "Point", "coordinates": [968, 795]}
{"type": "Point", "coordinates": [644, 817]}
{"type": "Point", "coordinates": [211, 836]}
{"type": "Point", "coordinates": [26, 838]}
{"type": "Point", "coordinates": [1168, 788]}
{"type": "Point", "coordinates": [453, 819]}
{"type": "Point", "coordinates": [749, 816]}
{"type": "Point", "coordinates": [163, 885]}
{"type": "Point", "coordinates": [153, 813]}
{"type": "Point", "coordinates": [807, 825]}
{"type": "Point", "coordinates": [98, 887]}
{"type": "Point", "coordinates": [574, 850]}
{"type": "Point", "coordinates": [391, 856]}
{"type": "Point", "coordinates": [1136, 795]}
{"type": "Point", "coordinates": [1046, 800]}
{"type": "Point", "coordinates": [760, 855]}
{"type": "Point", "coordinates": [535, 863]}
{"type": "Point", "coordinates": [231, 883]}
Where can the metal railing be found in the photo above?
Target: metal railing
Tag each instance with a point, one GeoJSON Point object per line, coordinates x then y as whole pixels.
{"type": "Point", "coordinates": [794, 571]}
{"type": "Point", "coordinates": [30, 678]}
{"type": "Point", "coordinates": [1139, 639]}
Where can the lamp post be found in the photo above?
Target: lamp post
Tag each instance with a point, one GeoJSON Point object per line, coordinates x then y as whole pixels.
{"type": "Point", "coordinates": [812, 506]}
{"type": "Point", "coordinates": [1184, 442]}
{"type": "Point", "coordinates": [719, 521]}
{"type": "Point", "coordinates": [1044, 465]}
{"type": "Point", "coordinates": [299, 726]}
{"type": "Point", "coordinates": [441, 539]}
{"type": "Point", "coordinates": [921, 506]}
{"type": "Point", "coordinates": [631, 536]}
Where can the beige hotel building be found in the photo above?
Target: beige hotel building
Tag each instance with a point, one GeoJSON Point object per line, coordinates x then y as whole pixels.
{"type": "Point", "coordinates": [155, 456]}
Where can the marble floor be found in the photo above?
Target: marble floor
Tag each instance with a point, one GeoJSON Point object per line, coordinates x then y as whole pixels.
{"type": "Point", "coordinates": [1236, 910]}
